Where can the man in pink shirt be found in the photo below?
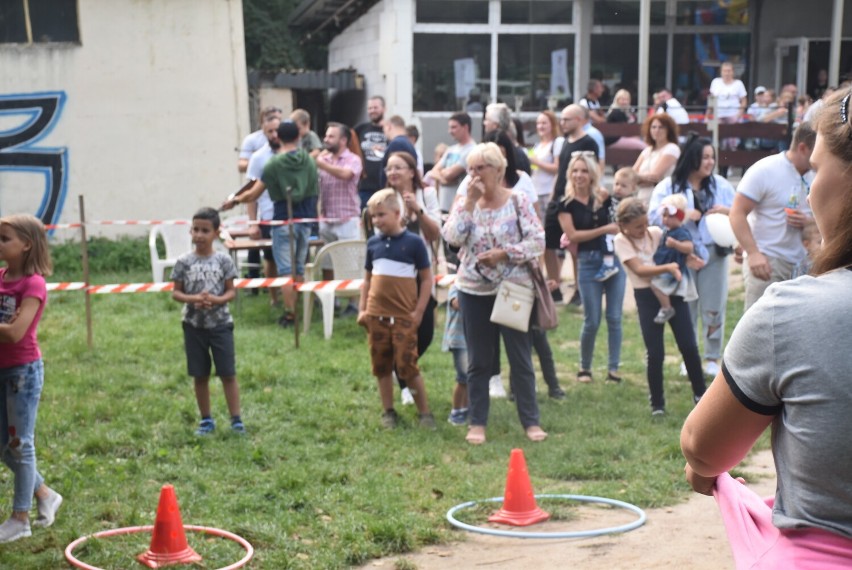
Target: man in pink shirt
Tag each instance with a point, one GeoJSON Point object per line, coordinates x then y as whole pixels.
{"type": "Point", "coordinates": [339, 173]}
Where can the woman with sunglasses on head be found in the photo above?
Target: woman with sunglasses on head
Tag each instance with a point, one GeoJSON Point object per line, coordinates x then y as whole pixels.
{"type": "Point", "coordinates": [706, 193]}
{"type": "Point", "coordinates": [786, 366]}
{"type": "Point", "coordinates": [423, 216]}
{"type": "Point", "coordinates": [497, 232]}
{"type": "Point", "coordinates": [585, 220]}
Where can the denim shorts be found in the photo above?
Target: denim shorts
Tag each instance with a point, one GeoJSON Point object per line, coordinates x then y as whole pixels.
{"type": "Point", "coordinates": [200, 343]}
{"type": "Point", "coordinates": [281, 248]}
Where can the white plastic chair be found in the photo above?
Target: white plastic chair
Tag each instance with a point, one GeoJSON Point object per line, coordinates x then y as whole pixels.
{"type": "Point", "coordinates": [177, 240]}
{"type": "Point", "coordinates": [347, 261]}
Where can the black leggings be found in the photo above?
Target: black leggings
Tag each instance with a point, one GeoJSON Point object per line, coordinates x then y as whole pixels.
{"type": "Point", "coordinates": [652, 333]}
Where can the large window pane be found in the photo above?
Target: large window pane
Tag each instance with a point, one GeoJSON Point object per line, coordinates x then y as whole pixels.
{"type": "Point", "coordinates": [697, 58]}
{"type": "Point", "coordinates": [12, 23]}
{"type": "Point", "coordinates": [54, 21]}
{"type": "Point", "coordinates": [626, 13]}
{"type": "Point", "coordinates": [452, 11]}
{"type": "Point", "coordinates": [534, 68]}
{"type": "Point", "coordinates": [615, 61]}
{"type": "Point", "coordinates": [536, 12]}
{"type": "Point", "coordinates": [709, 12]}
{"type": "Point", "coordinates": [450, 69]}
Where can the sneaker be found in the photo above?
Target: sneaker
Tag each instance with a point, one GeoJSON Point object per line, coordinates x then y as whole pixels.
{"type": "Point", "coordinates": [238, 427]}
{"type": "Point", "coordinates": [711, 368]}
{"type": "Point", "coordinates": [350, 311]}
{"type": "Point", "coordinates": [576, 300]}
{"type": "Point", "coordinates": [406, 397]}
{"type": "Point", "coordinates": [206, 427]}
{"type": "Point", "coordinates": [47, 509]}
{"type": "Point", "coordinates": [495, 387]}
{"type": "Point", "coordinates": [458, 417]}
{"type": "Point", "coordinates": [13, 529]}
{"type": "Point", "coordinates": [427, 421]}
{"type": "Point", "coordinates": [556, 393]}
{"type": "Point", "coordinates": [664, 314]}
{"type": "Point", "coordinates": [658, 412]}
{"type": "Point", "coordinates": [286, 320]}
{"type": "Point", "coordinates": [605, 272]}
{"type": "Point", "coordinates": [390, 419]}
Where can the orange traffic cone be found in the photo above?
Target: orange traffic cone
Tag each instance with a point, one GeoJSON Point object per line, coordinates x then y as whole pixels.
{"type": "Point", "coordinates": [519, 507]}
{"type": "Point", "coordinates": [168, 540]}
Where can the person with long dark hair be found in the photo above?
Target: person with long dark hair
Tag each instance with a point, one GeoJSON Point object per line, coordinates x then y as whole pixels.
{"type": "Point", "coordinates": [706, 193]}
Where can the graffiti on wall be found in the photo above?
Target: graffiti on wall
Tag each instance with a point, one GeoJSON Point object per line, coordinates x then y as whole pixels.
{"type": "Point", "coordinates": [19, 150]}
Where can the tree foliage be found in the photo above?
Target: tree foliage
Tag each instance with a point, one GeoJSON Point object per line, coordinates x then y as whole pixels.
{"type": "Point", "coordinates": [271, 44]}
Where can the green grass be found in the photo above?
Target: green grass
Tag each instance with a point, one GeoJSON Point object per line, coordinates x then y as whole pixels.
{"type": "Point", "coordinates": [316, 483]}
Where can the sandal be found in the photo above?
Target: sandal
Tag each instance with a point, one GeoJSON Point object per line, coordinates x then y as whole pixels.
{"type": "Point", "coordinates": [535, 433]}
{"type": "Point", "coordinates": [475, 435]}
{"type": "Point", "coordinates": [584, 376]}
{"type": "Point", "coordinates": [610, 377]}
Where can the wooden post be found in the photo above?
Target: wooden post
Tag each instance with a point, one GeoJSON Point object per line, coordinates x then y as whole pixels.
{"type": "Point", "coordinates": [85, 250]}
{"type": "Point", "coordinates": [289, 193]}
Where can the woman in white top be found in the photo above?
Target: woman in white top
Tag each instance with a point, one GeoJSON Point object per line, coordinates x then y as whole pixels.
{"type": "Point", "coordinates": [545, 157]}
{"type": "Point", "coordinates": [658, 159]}
{"type": "Point", "coordinates": [731, 102]}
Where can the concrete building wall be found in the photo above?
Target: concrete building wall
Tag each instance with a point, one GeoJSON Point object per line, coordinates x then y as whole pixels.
{"type": "Point", "coordinates": [153, 103]}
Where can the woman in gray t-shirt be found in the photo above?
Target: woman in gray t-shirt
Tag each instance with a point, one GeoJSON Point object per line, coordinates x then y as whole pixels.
{"type": "Point", "coordinates": [789, 365]}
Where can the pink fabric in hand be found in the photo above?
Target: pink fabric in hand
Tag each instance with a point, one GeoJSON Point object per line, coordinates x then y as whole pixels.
{"type": "Point", "coordinates": [757, 544]}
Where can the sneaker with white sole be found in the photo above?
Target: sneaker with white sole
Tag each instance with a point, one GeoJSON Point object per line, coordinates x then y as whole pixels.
{"type": "Point", "coordinates": [458, 417]}
{"type": "Point", "coordinates": [406, 397]}
{"type": "Point", "coordinates": [664, 315]}
{"type": "Point", "coordinates": [13, 529]}
{"type": "Point", "coordinates": [47, 509]}
{"type": "Point", "coordinates": [495, 387]}
{"type": "Point", "coordinates": [711, 368]}
{"type": "Point", "coordinates": [605, 272]}
{"type": "Point", "coordinates": [206, 427]}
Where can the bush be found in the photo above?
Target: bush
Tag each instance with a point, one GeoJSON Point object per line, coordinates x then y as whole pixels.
{"type": "Point", "coordinates": [105, 255]}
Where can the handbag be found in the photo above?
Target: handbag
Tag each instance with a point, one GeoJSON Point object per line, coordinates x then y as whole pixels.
{"type": "Point", "coordinates": [513, 306]}
{"type": "Point", "coordinates": [546, 317]}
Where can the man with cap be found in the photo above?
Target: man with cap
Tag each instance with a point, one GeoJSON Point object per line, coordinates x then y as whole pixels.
{"type": "Point", "coordinates": [290, 172]}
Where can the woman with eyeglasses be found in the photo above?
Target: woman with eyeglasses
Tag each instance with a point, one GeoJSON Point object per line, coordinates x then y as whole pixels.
{"type": "Point", "coordinates": [497, 232]}
{"type": "Point", "coordinates": [706, 193]}
{"type": "Point", "coordinates": [786, 367]}
{"type": "Point", "coordinates": [423, 215]}
{"type": "Point", "coordinates": [585, 220]}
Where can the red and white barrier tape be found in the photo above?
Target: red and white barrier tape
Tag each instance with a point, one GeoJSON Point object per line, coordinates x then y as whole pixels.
{"type": "Point", "coordinates": [334, 285]}
{"type": "Point", "coordinates": [181, 223]}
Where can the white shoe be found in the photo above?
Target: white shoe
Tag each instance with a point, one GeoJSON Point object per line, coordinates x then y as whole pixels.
{"type": "Point", "coordinates": [495, 387]}
{"type": "Point", "coordinates": [47, 509]}
{"type": "Point", "coordinates": [711, 368]}
{"type": "Point", "coordinates": [407, 398]}
{"type": "Point", "coordinates": [13, 529]}
{"type": "Point", "coordinates": [683, 369]}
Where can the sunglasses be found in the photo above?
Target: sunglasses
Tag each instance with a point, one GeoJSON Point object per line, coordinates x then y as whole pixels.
{"type": "Point", "coordinates": [844, 111]}
{"type": "Point", "coordinates": [586, 153]}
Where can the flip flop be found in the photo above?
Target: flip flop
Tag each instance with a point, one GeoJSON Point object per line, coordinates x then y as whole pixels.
{"type": "Point", "coordinates": [535, 433]}
{"type": "Point", "coordinates": [475, 435]}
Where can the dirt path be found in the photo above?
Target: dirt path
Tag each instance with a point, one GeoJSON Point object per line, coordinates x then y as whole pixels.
{"type": "Point", "coordinates": [688, 535]}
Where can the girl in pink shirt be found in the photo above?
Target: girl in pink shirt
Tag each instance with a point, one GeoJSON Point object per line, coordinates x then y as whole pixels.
{"type": "Point", "coordinates": [23, 248]}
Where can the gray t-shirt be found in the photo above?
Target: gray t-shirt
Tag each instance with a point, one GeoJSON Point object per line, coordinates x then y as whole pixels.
{"type": "Point", "coordinates": [199, 274]}
{"type": "Point", "coordinates": [790, 357]}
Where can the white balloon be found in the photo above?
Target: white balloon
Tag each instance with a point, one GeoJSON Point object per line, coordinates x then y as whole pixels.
{"type": "Point", "coordinates": [719, 226]}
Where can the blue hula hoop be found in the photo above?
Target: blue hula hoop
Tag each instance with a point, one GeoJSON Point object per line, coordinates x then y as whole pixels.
{"type": "Point", "coordinates": [575, 534]}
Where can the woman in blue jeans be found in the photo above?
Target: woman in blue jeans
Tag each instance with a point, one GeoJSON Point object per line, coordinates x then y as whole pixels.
{"type": "Point", "coordinates": [585, 220]}
{"type": "Point", "coordinates": [635, 246]}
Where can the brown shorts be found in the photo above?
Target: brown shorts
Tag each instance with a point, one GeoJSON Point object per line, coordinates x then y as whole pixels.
{"type": "Point", "coordinates": [393, 345]}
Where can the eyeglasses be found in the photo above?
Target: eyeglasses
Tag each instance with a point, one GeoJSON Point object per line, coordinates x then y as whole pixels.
{"type": "Point", "coordinates": [566, 119]}
{"type": "Point", "coordinates": [586, 153]}
{"type": "Point", "coordinates": [844, 111]}
{"type": "Point", "coordinates": [390, 169]}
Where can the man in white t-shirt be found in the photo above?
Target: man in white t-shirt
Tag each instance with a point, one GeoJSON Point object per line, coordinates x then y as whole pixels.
{"type": "Point", "coordinates": [769, 211]}
{"type": "Point", "coordinates": [451, 168]}
{"type": "Point", "coordinates": [666, 103]}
